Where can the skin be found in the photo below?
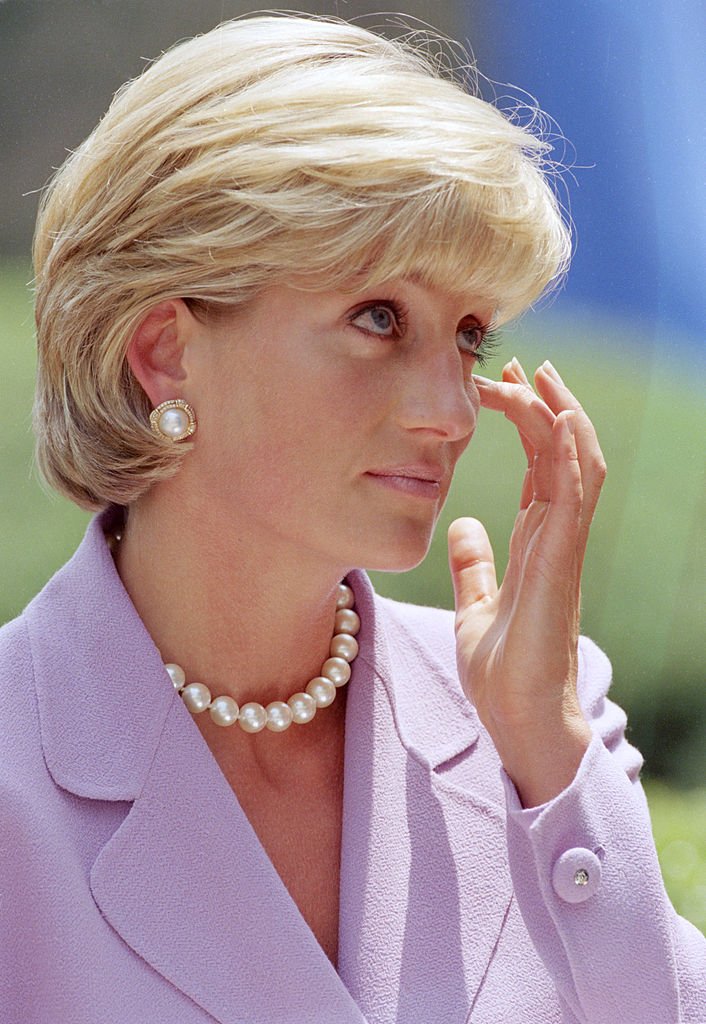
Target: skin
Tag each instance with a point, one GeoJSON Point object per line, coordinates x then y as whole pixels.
{"type": "Point", "coordinates": [297, 397]}
{"type": "Point", "coordinates": [517, 642]}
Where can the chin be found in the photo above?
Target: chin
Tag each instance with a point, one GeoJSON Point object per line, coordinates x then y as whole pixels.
{"type": "Point", "coordinates": [397, 556]}
{"type": "Point", "coordinates": [392, 566]}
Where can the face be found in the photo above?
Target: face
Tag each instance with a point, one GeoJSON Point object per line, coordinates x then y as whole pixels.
{"type": "Point", "coordinates": [331, 423]}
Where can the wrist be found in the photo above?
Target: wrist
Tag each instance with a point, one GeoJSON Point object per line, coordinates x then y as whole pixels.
{"type": "Point", "coordinates": [542, 761]}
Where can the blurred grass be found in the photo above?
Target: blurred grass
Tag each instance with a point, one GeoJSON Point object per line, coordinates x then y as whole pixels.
{"type": "Point", "coordinates": [679, 826]}
{"type": "Point", "coordinates": [644, 581]}
{"type": "Point", "coordinates": [39, 531]}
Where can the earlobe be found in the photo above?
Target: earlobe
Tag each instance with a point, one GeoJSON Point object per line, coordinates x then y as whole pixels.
{"type": "Point", "coordinates": [156, 351]}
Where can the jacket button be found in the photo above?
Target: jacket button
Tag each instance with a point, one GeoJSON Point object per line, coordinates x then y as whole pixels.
{"type": "Point", "coordinates": [576, 875]}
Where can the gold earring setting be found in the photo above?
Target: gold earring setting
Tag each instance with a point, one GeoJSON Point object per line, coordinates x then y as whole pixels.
{"type": "Point", "coordinates": [173, 420]}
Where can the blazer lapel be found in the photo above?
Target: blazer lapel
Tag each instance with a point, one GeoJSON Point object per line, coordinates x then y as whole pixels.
{"type": "Point", "coordinates": [187, 884]}
{"type": "Point", "coordinates": [423, 809]}
{"type": "Point", "coordinates": [184, 880]}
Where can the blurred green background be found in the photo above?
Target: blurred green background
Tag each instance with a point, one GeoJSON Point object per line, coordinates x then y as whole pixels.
{"type": "Point", "coordinates": [644, 581]}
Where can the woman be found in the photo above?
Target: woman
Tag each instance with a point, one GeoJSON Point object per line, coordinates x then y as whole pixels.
{"type": "Point", "coordinates": [237, 785]}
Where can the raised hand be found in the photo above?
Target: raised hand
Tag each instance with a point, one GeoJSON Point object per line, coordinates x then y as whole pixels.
{"type": "Point", "coordinates": [517, 642]}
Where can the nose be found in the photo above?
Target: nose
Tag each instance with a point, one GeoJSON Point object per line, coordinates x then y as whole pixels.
{"type": "Point", "coordinates": [438, 396]}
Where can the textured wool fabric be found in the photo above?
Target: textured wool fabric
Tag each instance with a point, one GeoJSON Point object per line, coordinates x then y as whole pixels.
{"type": "Point", "coordinates": [133, 889]}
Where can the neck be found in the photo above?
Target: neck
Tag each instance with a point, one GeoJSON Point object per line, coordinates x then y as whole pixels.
{"type": "Point", "coordinates": [242, 614]}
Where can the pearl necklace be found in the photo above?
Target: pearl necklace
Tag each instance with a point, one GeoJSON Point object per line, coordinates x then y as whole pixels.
{"type": "Point", "coordinates": [301, 706]}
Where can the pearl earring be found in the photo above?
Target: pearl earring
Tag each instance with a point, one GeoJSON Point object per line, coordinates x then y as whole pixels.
{"type": "Point", "coordinates": [174, 420]}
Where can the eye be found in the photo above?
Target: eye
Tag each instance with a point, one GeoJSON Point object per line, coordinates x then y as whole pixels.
{"type": "Point", "coordinates": [478, 340]}
{"type": "Point", "coordinates": [383, 319]}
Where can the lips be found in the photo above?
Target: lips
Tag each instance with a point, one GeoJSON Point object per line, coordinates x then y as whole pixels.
{"type": "Point", "coordinates": [433, 474]}
{"type": "Point", "coordinates": [420, 481]}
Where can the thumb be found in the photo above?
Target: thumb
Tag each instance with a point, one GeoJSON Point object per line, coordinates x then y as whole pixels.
{"type": "Point", "coordinates": [471, 562]}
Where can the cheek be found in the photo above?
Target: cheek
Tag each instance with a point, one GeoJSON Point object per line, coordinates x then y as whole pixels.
{"type": "Point", "coordinates": [274, 417]}
{"type": "Point", "coordinates": [274, 439]}
{"type": "Point", "coordinates": [460, 446]}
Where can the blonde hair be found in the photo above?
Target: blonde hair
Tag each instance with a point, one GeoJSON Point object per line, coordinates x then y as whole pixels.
{"type": "Point", "coordinates": [268, 147]}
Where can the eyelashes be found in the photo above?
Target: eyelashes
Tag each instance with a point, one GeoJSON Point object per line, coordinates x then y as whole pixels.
{"type": "Point", "coordinates": [390, 318]}
{"type": "Point", "coordinates": [489, 346]}
{"type": "Point", "coordinates": [397, 322]}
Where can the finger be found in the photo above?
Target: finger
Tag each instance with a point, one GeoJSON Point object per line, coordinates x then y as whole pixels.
{"type": "Point", "coordinates": [555, 392]}
{"type": "Point", "coordinates": [533, 419]}
{"type": "Point", "coordinates": [530, 414]}
{"type": "Point", "coordinates": [514, 374]}
{"type": "Point", "coordinates": [526, 523]}
{"type": "Point", "coordinates": [471, 563]}
{"type": "Point", "coordinates": [517, 370]}
{"type": "Point", "coordinates": [549, 582]}
{"type": "Point", "coordinates": [537, 481]}
{"type": "Point", "coordinates": [562, 519]}
{"type": "Point", "coordinates": [527, 492]}
{"type": "Point", "coordinates": [593, 469]}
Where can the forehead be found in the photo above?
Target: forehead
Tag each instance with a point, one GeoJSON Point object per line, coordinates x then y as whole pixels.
{"type": "Point", "coordinates": [422, 296]}
{"type": "Point", "coordinates": [411, 287]}
{"type": "Point", "coordinates": [450, 295]}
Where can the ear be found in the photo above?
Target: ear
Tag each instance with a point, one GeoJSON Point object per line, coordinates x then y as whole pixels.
{"type": "Point", "coordinates": [156, 351]}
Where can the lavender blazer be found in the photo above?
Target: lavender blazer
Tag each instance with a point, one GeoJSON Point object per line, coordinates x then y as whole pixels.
{"type": "Point", "coordinates": [133, 889]}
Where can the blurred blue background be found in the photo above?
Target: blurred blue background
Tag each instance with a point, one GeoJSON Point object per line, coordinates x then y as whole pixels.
{"type": "Point", "coordinates": [627, 84]}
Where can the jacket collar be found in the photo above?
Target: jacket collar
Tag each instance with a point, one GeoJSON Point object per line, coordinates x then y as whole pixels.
{"type": "Point", "coordinates": [100, 681]}
{"type": "Point", "coordinates": [113, 728]}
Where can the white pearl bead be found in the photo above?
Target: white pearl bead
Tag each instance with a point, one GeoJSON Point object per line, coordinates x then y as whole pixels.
{"type": "Point", "coordinates": [224, 711]}
{"type": "Point", "coordinates": [279, 716]}
{"type": "Point", "coordinates": [337, 670]}
{"type": "Point", "coordinates": [347, 621]}
{"type": "Point", "coordinates": [252, 717]}
{"type": "Point", "coordinates": [303, 707]}
{"type": "Point", "coordinates": [322, 690]}
{"type": "Point", "coordinates": [174, 423]}
{"type": "Point", "coordinates": [345, 597]}
{"type": "Point", "coordinates": [177, 675]}
{"type": "Point", "coordinates": [196, 696]}
{"type": "Point", "coordinates": [345, 646]}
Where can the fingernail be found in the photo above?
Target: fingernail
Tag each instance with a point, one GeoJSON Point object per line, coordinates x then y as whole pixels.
{"type": "Point", "coordinates": [482, 382]}
{"type": "Point", "coordinates": [548, 368]}
{"type": "Point", "coordinates": [570, 420]}
{"type": "Point", "coordinates": [517, 367]}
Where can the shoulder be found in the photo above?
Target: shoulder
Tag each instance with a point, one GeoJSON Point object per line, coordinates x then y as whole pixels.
{"type": "Point", "coordinates": [423, 639]}
{"type": "Point", "coordinates": [595, 674]}
{"type": "Point", "coordinates": [422, 620]}
{"type": "Point", "coordinates": [432, 629]}
{"type": "Point", "coordinates": [427, 630]}
{"type": "Point", "coordinates": [19, 726]}
{"type": "Point", "coordinates": [24, 779]}
{"type": "Point", "coordinates": [607, 719]}
{"type": "Point", "coordinates": [14, 641]}
{"type": "Point", "coordinates": [15, 666]}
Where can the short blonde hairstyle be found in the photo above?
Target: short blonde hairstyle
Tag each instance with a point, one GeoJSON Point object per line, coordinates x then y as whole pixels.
{"type": "Point", "coordinates": [268, 147]}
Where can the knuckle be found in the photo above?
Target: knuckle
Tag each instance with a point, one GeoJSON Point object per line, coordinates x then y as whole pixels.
{"type": "Point", "coordinates": [599, 468]}
{"type": "Point", "coordinates": [573, 500]}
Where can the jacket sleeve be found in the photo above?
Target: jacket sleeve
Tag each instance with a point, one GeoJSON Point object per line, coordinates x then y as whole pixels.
{"type": "Point", "coordinates": [589, 886]}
